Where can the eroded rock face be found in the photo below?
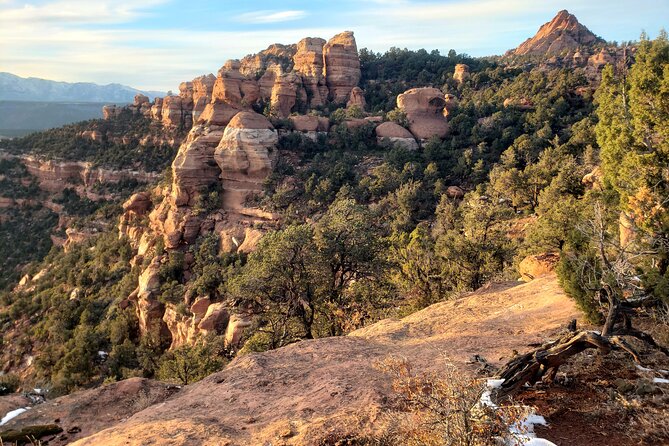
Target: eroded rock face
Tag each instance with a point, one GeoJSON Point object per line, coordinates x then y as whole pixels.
{"type": "Point", "coordinates": [357, 99]}
{"type": "Point", "coordinates": [342, 66]}
{"type": "Point", "coordinates": [172, 113]}
{"type": "Point", "coordinates": [563, 33]}
{"type": "Point", "coordinates": [390, 133]}
{"type": "Point", "coordinates": [424, 108]}
{"type": "Point", "coordinates": [284, 94]}
{"type": "Point", "coordinates": [461, 72]}
{"type": "Point", "coordinates": [149, 310]}
{"type": "Point", "coordinates": [308, 62]}
{"type": "Point", "coordinates": [245, 156]}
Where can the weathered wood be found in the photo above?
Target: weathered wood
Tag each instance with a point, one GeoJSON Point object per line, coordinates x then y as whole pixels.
{"type": "Point", "coordinates": [533, 366]}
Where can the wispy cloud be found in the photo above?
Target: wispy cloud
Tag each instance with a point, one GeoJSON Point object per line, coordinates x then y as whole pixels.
{"type": "Point", "coordinates": [75, 11]}
{"type": "Point", "coordinates": [263, 17]}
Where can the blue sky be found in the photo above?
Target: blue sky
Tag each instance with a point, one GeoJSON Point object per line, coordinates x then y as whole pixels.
{"type": "Point", "coordinates": [155, 44]}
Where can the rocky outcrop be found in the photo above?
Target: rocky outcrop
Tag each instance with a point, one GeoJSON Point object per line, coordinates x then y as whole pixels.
{"type": "Point", "coordinates": [149, 310]}
{"type": "Point", "coordinates": [291, 77]}
{"type": "Point", "coordinates": [357, 99]}
{"type": "Point", "coordinates": [311, 126]}
{"type": "Point", "coordinates": [390, 133]}
{"type": "Point", "coordinates": [593, 179]}
{"type": "Point", "coordinates": [173, 115]}
{"type": "Point", "coordinates": [342, 66]}
{"type": "Point", "coordinates": [245, 156]}
{"type": "Point", "coordinates": [518, 103]}
{"type": "Point", "coordinates": [284, 94]}
{"type": "Point", "coordinates": [424, 108]}
{"type": "Point", "coordinates": [309, 64]}
{"type": "Point", "coordinates": [455, 192]}
{"type": "Point", "coordinates": [561, 35]}
{"type": "Point", "coordinates": [461, 72]}
{"type": "Point", "coordinates": [55, 176]}
{"type": "Point", "coordinates": [540, 265]}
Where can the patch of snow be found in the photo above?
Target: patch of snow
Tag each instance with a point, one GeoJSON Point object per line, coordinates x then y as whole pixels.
{"type": "Point", "coordinates": [660, 381]}
{"type": "Point", "coordinates": [643, 369]}
{"type": "Point", "coordinates": [13, 414]}
{"type": "Point", "coordinates": [523, 431]}
{"type": "Point", "coordinates": [102, 354]}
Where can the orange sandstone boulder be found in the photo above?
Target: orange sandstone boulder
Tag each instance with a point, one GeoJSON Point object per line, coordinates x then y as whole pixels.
{"type": "Point", "coordinates": [424, 108]}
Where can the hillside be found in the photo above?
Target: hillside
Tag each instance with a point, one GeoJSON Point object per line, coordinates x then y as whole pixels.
{"type": "Point", "coordinates": [266, 235]}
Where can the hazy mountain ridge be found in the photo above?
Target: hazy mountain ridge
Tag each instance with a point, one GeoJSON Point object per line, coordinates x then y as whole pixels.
{"type": "Point", "coordinates": [16, 88]}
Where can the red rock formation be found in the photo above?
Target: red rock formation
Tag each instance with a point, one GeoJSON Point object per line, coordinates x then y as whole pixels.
{"type": "Point", "coordinates": [245, 155]}
{"type": "Point", "coordinates": [172, 114]}
{"type": "Point", "coordinates": [342, 66]}
{"type": "Point", "coordinates": [284, 94]}
{"type": "Point", "coordinates": [309, 64]}
{"type": "Point", "coordinates": [357, 99]}
{"type": "Point", "coordinates": [540, 265]}
{"type": "Point", "coordinates": [390, 133]}
{"type": "Point", "coordinates": [424, 108]}
{"type": "Point", "coordinates": [562, 34]}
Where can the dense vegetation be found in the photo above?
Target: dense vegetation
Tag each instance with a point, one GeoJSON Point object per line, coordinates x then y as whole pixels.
{"type": "Point", "coordinates": [118, 148]}
{"type": "Point", "coordinates": [369, 232]}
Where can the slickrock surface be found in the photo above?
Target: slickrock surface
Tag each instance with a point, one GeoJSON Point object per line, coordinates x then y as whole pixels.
{"type": "Point", "coordinates": [327, 389]}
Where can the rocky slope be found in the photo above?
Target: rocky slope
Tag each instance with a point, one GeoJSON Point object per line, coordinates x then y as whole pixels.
{"type": "Point", "coordinates": [320, 391]}
{"type": "Point", "coordinates": [562, 34]}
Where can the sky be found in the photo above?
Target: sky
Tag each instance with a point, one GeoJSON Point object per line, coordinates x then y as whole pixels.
{"type": "Point", "coordinates": [156, 44]}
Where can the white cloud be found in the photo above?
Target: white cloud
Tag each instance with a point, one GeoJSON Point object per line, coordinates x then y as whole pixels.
{"type": "Point", "coordinates": [261, 17]}
{"type": "Point", "coordinates": [75, 11]}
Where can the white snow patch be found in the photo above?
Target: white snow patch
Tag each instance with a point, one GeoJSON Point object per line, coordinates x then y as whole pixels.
{"type": "Point", "coordinates": [643, 369]}
{"type": "Point", "coordinates": [102, 354]}
{"type": "Point", "coordinates": [13, 414]}
{"type": "Point", "coordinates": [523, 431]}
{"type": "Point", "coordinates": [661, 381]}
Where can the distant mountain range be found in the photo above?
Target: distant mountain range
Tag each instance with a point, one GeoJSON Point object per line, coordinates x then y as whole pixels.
{"type": "Point", "coordinates": [15, 88]}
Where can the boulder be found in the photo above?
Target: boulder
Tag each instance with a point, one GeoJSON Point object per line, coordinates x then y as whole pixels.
{"type": "Point", "coordinates": [424, 108]}
{"type": "Point", "coordinates": [138, 203]}
{"type": "Point", "coordinates": [342, 66]}
{"type": "Point", "coordinates": [390, 133]}
{"type": "Point", "coordinates": [455, 192]}
{"type": "Point", "coordinates": [593, 179]}
{"type": "Point", "coordinates": [110, 111]}
{"type": "Point", "coordinates": [309, 123]}
{"type": "Point", "coordinates": [215, 320]}
{"type": "Point", "coordinates": [540, 265]}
